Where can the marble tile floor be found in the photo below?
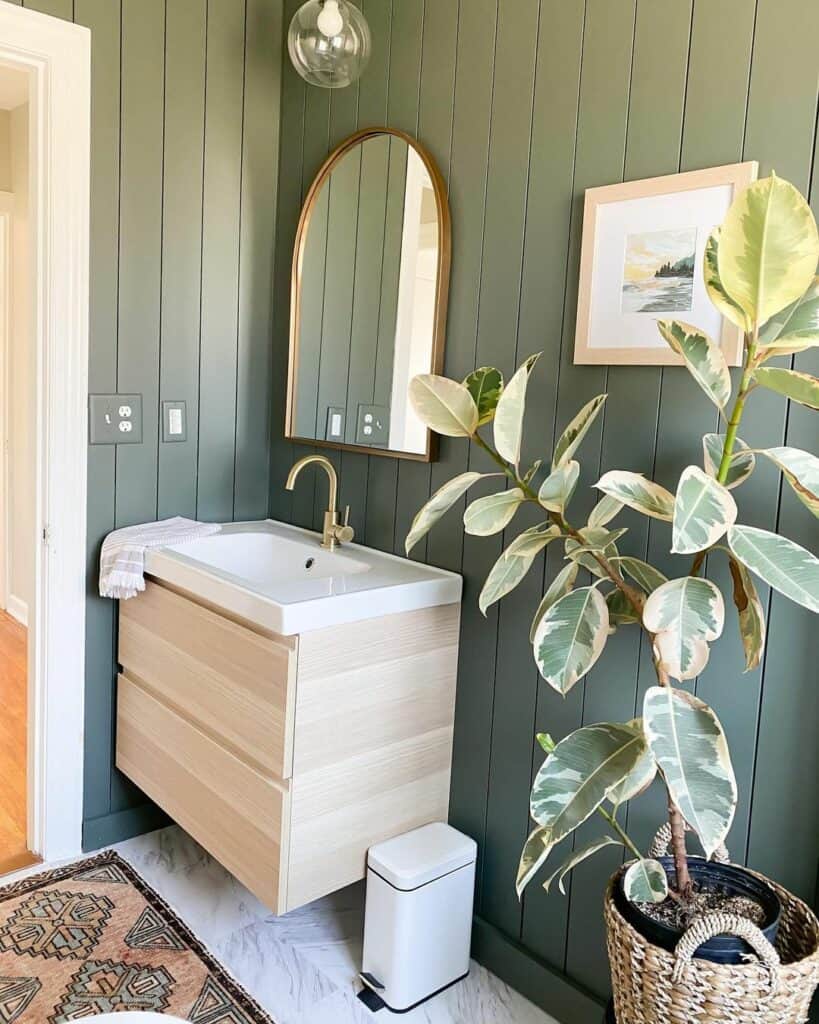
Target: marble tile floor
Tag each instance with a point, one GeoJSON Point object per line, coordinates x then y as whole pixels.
{"type": "Point", "coordinates": [301, 967]}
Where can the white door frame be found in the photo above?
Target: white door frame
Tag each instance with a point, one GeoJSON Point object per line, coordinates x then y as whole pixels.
{"type": "Point", "coordinates": [6, 213]}
{"type": "Point", "coordinates": [57, 56]}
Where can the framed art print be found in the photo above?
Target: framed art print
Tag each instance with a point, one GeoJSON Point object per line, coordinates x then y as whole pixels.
{"type": "Point", "coordinates": [641, 261]}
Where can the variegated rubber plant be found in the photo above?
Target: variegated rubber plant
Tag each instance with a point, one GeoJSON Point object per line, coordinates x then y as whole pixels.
{"type": "Point", "coordinates": [760, 272]}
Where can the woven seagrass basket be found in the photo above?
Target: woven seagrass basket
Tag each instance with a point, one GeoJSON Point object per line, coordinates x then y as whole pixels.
{"type": "Point", "coordinates": [652, 986]}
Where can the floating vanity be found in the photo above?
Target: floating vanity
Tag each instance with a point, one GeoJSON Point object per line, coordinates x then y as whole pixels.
{"type": "Point", "coordinates": [289, 706]}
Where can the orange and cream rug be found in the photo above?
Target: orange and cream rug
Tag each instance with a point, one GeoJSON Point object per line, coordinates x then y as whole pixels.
{"type": "Point", "coordinates": [92, 938]}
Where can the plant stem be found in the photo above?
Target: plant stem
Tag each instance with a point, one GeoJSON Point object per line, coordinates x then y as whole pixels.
{"type": "Point", "coordinates": [739, 406]}
{"type": "Point", "coordinates": [621, 833]}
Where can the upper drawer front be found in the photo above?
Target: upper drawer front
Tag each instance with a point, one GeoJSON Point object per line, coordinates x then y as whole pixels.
{"type": "Point", "coordinates": [234, 811]}
{"type": "Point", "coordinates": [234, 683]}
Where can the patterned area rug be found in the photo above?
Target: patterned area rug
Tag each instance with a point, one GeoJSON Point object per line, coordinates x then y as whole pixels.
{"type": "Point", "coordinates": [93, 938]}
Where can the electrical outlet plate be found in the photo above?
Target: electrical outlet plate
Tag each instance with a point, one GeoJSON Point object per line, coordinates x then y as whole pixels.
{"type": "Point", "coordinates": [373, 426]}
{"type": "Point", "coordinates": [115, 419]}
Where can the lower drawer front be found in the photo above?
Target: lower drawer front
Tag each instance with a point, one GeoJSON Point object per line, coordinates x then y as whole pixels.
{"type": "Point", "coordinates": [238, 815]}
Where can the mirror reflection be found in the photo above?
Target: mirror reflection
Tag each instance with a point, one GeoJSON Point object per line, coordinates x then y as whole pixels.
{"type": "Point", "coordinates": [369, 298]}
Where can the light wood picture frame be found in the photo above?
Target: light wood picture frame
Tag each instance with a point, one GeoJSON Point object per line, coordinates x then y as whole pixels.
{"type": "Point", "coordinates": [641, 261]}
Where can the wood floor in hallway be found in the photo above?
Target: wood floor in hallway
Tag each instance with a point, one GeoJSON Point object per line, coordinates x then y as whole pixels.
{"type": "Point", "coordinates": [13, 699]}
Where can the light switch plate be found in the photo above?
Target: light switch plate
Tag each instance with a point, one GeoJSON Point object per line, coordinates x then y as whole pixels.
{"type": "Point", "coordinates": [174, 422]}
{"type": "Point", "coordinates": [115, 419]}
{"type": "Point", "coordinates": [373, 426]}
{"type": "Point", "coordinates": [335, 423]}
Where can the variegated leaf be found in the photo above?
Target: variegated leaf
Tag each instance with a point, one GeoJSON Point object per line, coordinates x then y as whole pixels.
{"type": "Point", "coordinates": [493, 513]}
{"type": "Point", "coordinates": [685, 614]}
{"type": "Point", "coordinates": [546, 742]}
{"type": "Point", "coordinates": [444, 405]}
{"type": "Point", "coordinates": [751, 614]}
{"type": "Point", "coordinates": [514, 563]}
{"type": "Point", "coordinates": [560, 585]}
{"type": "Point", "coordinates": [801, 470]}
{"type": "Point", "coordinates": [768, 248]}
{"type": "Point", "coordinates": [703, 357]}
{"type": "Point", "coordinates": [796, 327]}
{"type": "Point", "coordinates": [557, 489]}
{"type": "Point", "coordinates": [574, 780]}
{"type": "Point", "coordinates": [799, 387]}
{"type": "Point", "coordinates": [573, 435]}
{"type": "Point", "coordinates": [485, 385]}
{"type": "Point", "coordinates": [641, 775]}
{"type": "Point", "coordinates": [570, 637]}
{"type": "Point", "coordinates": [440, 503]}
{"type": "Point", "coordinates": [529, 475]}
{"type": "Point", "coordinates": [715, 288]}
{"type": "Point", "coordinates": [598, 538]}
{"type": "Point", "coordinates": [621, 610]}
{"type": "Point", "coordinates": [538, 847]}
{"type": "Point", "coordinates": [508, 426]}
{"type": "Point", "coordinates": [634, 490]}
{"type": "Point", "coordinates": [703, 511]}
{"type": "Point", "coordinates": [577, 857]}
{"type": "Point", "coordinates": [643, 574]}
{"type": "Point", "coordinates": [742, 461]}
{"type": "Point", "coordinates": [604, 511]}
{"type": "Point", "coordinates": [645, 881]}
{"type": "Point", "coordinates": [689, 745]}
{"type": "Point", "coordinates": [783, 565]}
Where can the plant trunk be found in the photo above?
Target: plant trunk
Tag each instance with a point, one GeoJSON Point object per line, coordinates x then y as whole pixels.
{"type": "Point", "coordinates": [676, 822]}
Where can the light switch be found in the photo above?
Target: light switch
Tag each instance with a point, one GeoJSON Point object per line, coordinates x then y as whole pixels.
{"type": "Point", "coordinates": [174, 422]}
{"type": "Point", "coordinates": [335, 423]}
{"type": "Point", "coordinates": [115, 419]}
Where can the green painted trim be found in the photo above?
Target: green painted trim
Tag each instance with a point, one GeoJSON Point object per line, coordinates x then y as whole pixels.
{"type": "Point", "coordinates": [114, 828]}
{"type": "Point", "coordinates": [532, 977]}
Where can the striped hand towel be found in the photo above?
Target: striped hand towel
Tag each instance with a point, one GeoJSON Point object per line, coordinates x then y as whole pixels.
{"type": "Point", "coordinates": [122, 560]}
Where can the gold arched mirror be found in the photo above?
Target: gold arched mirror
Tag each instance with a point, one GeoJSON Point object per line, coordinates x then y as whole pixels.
{"type": "Point", "coordinates": [369, 296]}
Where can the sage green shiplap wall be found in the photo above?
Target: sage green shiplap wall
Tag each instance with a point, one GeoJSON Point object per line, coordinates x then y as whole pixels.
{"type": "Point", "coordinates": [524, 104]}
{"type": "Point", "coordinates": [184, 135]}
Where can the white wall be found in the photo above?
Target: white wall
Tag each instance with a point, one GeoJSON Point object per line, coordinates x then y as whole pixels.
{"type": "Point", "coordinates": [22, 531]}
{"type": "Point", "coordinates": [5, 151]}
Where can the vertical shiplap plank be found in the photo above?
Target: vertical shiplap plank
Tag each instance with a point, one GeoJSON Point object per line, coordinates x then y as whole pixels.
{"type": "Point", "coordinates": [182, 246]}
{"type": "Point", "coordinates": [140, 252]}
{"type": "Point", "coordinates": [508, 179]}
{"type": "Point", "coordinates": [220, 258]}
{"type": "Point", "coordinates": [311, 315]}
{"type": "Point", "coordinates": [402, 109]}
{"type": "Point", "coordinates": [260, 149]}
{"type": "Point", "coordinates": [103, 18]}
{"type": "Point", "coordinates": [56, 8]}
{"type": "Point", "coordinates": [653, 142]}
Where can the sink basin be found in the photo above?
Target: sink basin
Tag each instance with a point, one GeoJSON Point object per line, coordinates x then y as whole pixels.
{"type": "Point", "coordinates": [280, 578]}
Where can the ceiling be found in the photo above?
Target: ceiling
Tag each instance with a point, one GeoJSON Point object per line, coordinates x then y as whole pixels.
{"type": "Point", "coordinates": [13, 87]}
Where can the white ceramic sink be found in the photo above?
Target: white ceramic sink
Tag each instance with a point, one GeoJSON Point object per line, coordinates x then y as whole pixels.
{"type": "Point", "coordinates": [280, 577]}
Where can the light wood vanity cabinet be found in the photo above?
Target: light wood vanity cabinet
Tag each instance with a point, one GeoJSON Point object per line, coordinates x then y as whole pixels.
{"type": "Point", "coordinates": [287, 757]}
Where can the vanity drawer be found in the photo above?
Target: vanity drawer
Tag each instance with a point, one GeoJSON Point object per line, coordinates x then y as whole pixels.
{"type": "Point", "coordinates": [234, 683]}
{"type": "Point", "coordinates": [238, 815]}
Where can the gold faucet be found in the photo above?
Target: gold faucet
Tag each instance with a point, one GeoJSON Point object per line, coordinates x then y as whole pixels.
{"type": "Point", "coordinates": [335, 532]}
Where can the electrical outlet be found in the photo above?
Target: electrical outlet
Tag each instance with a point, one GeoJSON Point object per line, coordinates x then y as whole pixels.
{"type": "Point", "coordinates": [115, 419]}
{"type": "Point", "coordinates": [373, 426]}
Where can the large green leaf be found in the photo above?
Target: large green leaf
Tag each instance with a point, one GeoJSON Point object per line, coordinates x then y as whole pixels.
{"type": "Point", "coordinates": [783, 565]}
{"type": "Point", "coordinates": [560, 585]}
{"type": "Point", "coordinates": [508, 427]}
{"type": "Point", "coordinates": [703, 511]}
{"type": "Point", "coordinates": [703, 357]}
{"type": "Point", "coordinates": [800, 387]}
{"type": "Point", "coordinates": [444, 405]}
{"type": "Point", "coordinates": [645, 881]}
{"type": "Point", "coordinates": [768, 248]}
{"type": "Point", "coordinates": [485, 385]}
{"type": "Point", "coordinates": [685, 614]}
{"type": "Point", "coordinates": [801, 470]}
{"type": "Point", "coordinates": [538, 847]}
{"type": "Point", "coordinates": [570, 637]}
{"type": "Point", "coordinates": [573, 435]}
{"type": "Point", "coordinates": [577, 857]}
{"type": "Point", "coordinates": [715, 288]}
{"type": "Point", "coordinates": [574, 780]}
{"type": "Point", "coordinates": [643, 574]}
{"type": "Point", "coordinates": [493, 513]}
{"type": "Point", "coordinates": [634, 490]}
{"type": "Point", "coordinates": [621, 610]}
{"type": "Point", "coordinates": [742, 460]}
{"type": "Point", "coordinates": [689, 745]}
{"type": "Point", "coordinates": [751, 614]}
{"type": "Point", "coordinates": [641, 775]}
{"type": "Point", "coordinates": [514, 563]}
{"type": "Point", "coordinates": [796, 325]}
{"type": "Point", "coordinates": [440, 503]}
{"type": "Point", "coordinates": [604, 511]}
{"type": "Point", "coordinates": [557, 489]}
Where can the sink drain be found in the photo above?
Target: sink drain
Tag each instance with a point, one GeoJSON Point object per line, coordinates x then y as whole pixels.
{"type": "Point", "coordinates": [309, 563]}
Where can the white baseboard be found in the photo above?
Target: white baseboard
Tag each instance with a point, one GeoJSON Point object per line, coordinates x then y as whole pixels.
{"type": "Point", "coordinates": [17, 609]}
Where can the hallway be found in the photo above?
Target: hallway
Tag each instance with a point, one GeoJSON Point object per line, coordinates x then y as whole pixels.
{"type": "Point", "coordinates": [13, 852]}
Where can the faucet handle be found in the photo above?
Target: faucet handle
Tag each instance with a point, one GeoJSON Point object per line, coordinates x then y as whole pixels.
{"type": "Point", "coordinates": [347, 516]}
{"type": "Point", "coordinates": [345, 533]}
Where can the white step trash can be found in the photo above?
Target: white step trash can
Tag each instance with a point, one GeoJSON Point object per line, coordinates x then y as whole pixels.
{"type": "Point", "coordinates": [418, 916]}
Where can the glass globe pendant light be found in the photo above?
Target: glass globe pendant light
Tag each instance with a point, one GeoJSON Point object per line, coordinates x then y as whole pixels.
{"type": "Point", "coordinates": [329, 43]}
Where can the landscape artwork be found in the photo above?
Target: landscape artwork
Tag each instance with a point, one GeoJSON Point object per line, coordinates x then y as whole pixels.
{"type": "Point", "coordinates": [658, 272]}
